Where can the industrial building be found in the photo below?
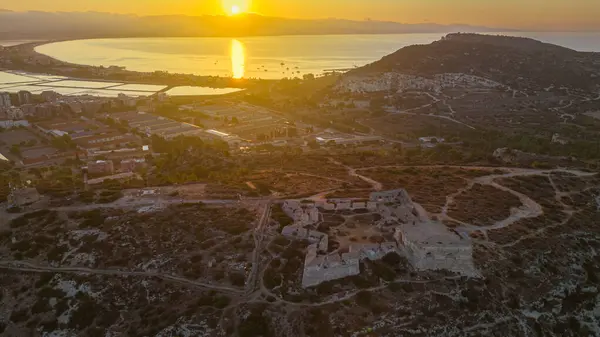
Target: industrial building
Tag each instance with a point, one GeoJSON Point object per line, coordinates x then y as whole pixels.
{"type": "Point", "coordinates": [100, 167]}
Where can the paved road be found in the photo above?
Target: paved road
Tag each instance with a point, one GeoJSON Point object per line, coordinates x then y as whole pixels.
{"type": "Point", "coordinates": [30, 267]}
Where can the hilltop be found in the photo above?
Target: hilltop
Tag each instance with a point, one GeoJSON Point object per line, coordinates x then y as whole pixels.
{"type": "Point", "coordinates": [520, 63]}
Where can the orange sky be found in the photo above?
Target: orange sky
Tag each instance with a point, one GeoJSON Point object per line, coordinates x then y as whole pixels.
{"type": "Point", "coordinates": [524, 14]}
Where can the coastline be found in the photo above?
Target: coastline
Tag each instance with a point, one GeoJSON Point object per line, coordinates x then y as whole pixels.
{"type": "Point", "coordinates": [25, 58]}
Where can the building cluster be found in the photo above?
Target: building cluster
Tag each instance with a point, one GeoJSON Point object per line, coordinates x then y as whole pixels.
{"type": "Point", "coordinates": [49, 104]}
{"type": "Point", "coordinates": [68, 137]}
{"type": "Point", "coordinates": [427, 245]}
{"type": "Point", "coordinates": [108, 167]}
{"type": "Point", "coordinates": [101, 167]}
{"type": "Point", "coordinates": [167, 128]}
{"type": "Point", "coordinates": [248, 125]}
{"type": "Point", "coordinates": [400, 83]}
{"type": "Point", "coordinates": [10, 104]}
{"type": "Point", "coordinates": [156, 125]}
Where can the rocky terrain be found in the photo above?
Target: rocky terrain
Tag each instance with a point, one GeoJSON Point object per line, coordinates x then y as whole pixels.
{"type": "Point", "coordinates": [172, 265]}
{"type": "Point", "coordinates": [199, 270]}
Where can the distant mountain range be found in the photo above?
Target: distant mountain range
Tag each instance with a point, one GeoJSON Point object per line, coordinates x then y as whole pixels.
{"type": "Point", "coordinates": [71, 25]}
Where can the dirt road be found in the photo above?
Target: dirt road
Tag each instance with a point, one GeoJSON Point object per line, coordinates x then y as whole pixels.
{"type": "Point", "coordinates": [24, 266]}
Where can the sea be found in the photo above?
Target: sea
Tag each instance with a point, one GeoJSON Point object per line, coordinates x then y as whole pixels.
{"type": "Point", "coordinates": [269, 57]}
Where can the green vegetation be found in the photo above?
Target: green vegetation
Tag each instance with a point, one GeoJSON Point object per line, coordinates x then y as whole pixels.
{"type": "Point", "coordinates": [58, 182]}
{"type": "Point", "coordinates": [212, 299]}
{"type": "Point", "coordinates": [237, 279]}
{"type": "Point", "coordinates": [16, 150]}
{"type": "Point", "coordinates": [190, 159]}
{"type": "Point", "coordinates": [63, 143]}
{"type": "Point", "coordinates": [279, 215]}
{"type": "Point", "coordinates": [254, 325]}
{"type": "Point", "coordinates": [6, 176]}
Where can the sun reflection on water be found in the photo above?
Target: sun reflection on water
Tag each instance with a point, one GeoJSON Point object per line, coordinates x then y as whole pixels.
{"type": "Point", "coordinates": [238, 59]}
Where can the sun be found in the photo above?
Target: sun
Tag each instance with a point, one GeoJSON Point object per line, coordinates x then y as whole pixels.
{"type": "Point", "coordinates": [235, 7]}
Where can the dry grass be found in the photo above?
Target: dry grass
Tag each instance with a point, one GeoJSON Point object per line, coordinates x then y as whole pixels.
{"type": "Point", "coordinates": [569, 183]}
{"type": "Point", "coordinates": [426, 186]}
{"type": "Point", "coordinates": [483, 205]}
{"type": "Point", "coordinates": [349, 193]}
{"type": "Point", "coordinates": [290, 184]}
{"type": "Point", "coordinates": [537, 188]}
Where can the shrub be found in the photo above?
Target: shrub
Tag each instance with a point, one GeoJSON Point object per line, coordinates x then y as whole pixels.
{"type": "Point", "coordinates": [237, 279]}
{"type": "Point", "coordinates": [254, 325]}
{"type": "Point", "coordinates": [84, 315]}
{"type": "Point", "coordinates": [41, 305]}
{"type": "Point", "coordinates": [57, 252]}
{"type": "Point", "coordinates": [48, 292]}
{"type": "Point", "coordinates": [363, 298]}
{"type": "Point", "coordinates": [19, 222]}
{"type": "Point", "coordinates": [221, 302]}
{"type": "Point", "coordinates": [392, 259]}
{"type": "Point", "coordinates": [21, 246]}
{"type": "Point", "coordinates": [14, 209]}
{"type": "Point", "coordinates": [44, 279]}
{"type": "Point", "coordinates": [18, 316]}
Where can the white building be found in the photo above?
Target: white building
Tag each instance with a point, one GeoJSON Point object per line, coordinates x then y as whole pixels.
{"type": "Point", "coordinates": [14, 113]}
{"type": "Point", "coordinates": [5, 101]}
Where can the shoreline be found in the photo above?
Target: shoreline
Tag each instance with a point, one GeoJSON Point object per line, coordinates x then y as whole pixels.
{"type": "Point", "coordinates": [25, 58]}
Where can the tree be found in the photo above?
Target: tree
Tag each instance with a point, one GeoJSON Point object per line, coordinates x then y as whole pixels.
{"type": "Point", "coordinates": [63, 143]}
{"type": "Point", "coordinates": [313, 144]}
{"type": "Point", "coordinates": [16, 150]}
{"type": "Point", "coordinates": [308, 77]}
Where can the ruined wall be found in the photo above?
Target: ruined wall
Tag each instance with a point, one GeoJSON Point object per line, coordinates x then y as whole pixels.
{"type": "Point", "coordinates": [456, 259]}
{"type": "Point", "coordinates": [317, 274]}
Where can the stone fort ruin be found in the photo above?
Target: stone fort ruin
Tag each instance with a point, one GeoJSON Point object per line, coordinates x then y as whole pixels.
{"type": "Point", "coordinates": [428, 245]}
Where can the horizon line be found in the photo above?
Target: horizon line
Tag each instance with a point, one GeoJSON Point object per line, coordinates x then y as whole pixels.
{"type": "Point", "coordinates": [249, 14]}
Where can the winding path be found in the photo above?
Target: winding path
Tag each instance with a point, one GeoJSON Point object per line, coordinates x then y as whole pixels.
{"type": "Point", "coordinates": [529, 209]}
{"type": "Point", "coordinates": [377, 186]}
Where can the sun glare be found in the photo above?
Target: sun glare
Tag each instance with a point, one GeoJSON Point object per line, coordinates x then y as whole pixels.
{"type": "Point", "coordinates": [238, 59]}
{"type": "Point", "coordinates": [236, 7]}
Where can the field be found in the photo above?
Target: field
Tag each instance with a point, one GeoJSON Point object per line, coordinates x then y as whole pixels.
{"type": "Point", "coordinates": [426, 186]}
{"type": "Point", "coordinates": [483, 205]}
{"type": "Point", "coordinates": [293, 184]}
